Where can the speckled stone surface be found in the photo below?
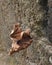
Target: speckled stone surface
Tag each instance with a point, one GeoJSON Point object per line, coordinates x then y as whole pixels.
{"type": "Point", "coordinates": [30, 14]}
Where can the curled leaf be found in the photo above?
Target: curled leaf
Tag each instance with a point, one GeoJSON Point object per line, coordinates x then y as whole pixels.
{"type": "Point", "coordinates": [20, 39]}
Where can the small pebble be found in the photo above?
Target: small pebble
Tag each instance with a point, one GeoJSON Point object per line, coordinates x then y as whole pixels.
{"type": "Point", "coordinates": [50, 59]}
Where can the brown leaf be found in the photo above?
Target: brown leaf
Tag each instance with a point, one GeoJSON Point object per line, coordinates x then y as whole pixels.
{"type": "Point", "coordinates": [23, 40]}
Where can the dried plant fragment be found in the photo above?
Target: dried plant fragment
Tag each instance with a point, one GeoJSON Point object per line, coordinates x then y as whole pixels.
{"type": "Point", "coordinates": [20, 39]}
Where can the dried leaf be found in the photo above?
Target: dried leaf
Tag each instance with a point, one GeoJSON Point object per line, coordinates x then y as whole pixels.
{"type": "Point", "coordinates": [21, 39]}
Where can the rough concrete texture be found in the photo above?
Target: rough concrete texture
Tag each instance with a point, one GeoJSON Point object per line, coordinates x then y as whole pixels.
{"type": "Point", "coordinates": [49, 28]}
{"type": "Point", "coordinates": [30, 14]}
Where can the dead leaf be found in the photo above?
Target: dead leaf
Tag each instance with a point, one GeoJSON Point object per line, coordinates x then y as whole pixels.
{"type": "Point", "coordinates": [20, 39]}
